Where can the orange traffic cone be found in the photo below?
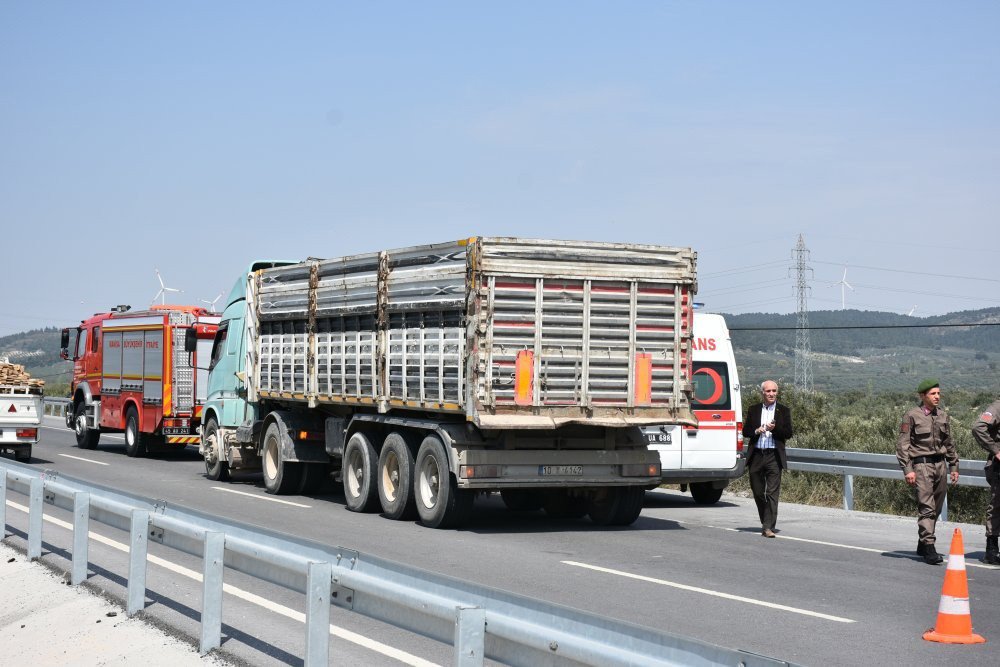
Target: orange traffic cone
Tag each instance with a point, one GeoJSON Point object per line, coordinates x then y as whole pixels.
{"type": "Point", "coordinates": [954, 621]}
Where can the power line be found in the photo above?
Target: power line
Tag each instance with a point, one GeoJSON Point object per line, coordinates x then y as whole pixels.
{"type": "Point", "coordinates": [914, 273]}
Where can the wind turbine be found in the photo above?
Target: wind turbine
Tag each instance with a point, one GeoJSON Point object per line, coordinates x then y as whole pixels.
{"type": "Point", "coordinates": [211, 304]}
{"type": "Point", "coordinates": [162, 294]}
{"type": "Point", "coordinates": [843, 283]}
{"type": "Point", "coordinates": [911, 310]}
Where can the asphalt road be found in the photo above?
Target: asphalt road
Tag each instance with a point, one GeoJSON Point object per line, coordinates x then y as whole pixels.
{"type": "Point", "coordinates": [835, 588]}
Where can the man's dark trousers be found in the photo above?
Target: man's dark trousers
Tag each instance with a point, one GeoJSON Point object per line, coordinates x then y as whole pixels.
{"type": "Point", "coordinates": [765, 482]}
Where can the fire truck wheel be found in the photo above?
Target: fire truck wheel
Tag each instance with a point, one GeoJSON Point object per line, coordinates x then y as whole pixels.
{"type": "Point", "coordinates": [280, 477]}
{"type": "Point", "coordinates": [395, 478]}
{"type": "Point", "coordinates": [359, 474]}
{"type": "Point", "coordinates": [705, 494]}
{"type": "Point", "coordinates": [440, 503]}
{"type": "Point", "coordinates": [86, 438]}
{"type": "Point", "coordinates": [216, 467]}
{"type": "Point", "coordinates": [135, 441]}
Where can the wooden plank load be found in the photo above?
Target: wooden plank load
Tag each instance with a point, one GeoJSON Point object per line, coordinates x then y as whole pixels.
{"type": "Point", "coordinates": [14, 375]}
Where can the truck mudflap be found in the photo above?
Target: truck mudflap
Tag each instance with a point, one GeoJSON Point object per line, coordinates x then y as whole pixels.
{"type": "Point", "coordinates": [520, 468]}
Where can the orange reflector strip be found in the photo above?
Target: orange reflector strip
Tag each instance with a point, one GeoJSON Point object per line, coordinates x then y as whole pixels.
{"type": "Point", "coordinates": [524, 371]}
{"type": "Point", "coordinates": [643, 378]}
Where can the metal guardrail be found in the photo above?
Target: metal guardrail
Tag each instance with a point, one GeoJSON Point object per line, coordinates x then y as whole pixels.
{"type": "Point", "coordinates": [55, 407]}
{"type": "Point", "coordinates": [479, 622]}
{"type": "Point", "coordinates": [864, 464]}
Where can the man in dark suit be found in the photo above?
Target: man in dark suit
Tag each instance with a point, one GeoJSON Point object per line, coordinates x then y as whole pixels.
{"type": "Point", "coordinates": [768, 425]}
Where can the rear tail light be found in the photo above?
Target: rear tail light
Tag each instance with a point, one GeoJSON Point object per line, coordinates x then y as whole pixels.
{"type": "Point", "coordinates": [739, 436]}
{"type": "Point", "coordinates": [27, 432]}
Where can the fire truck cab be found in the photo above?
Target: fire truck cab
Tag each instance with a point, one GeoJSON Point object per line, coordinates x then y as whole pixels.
{"type": "Point", "coordinates": [137, 372]}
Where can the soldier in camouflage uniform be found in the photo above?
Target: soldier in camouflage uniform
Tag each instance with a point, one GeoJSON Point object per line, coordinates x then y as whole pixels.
{"type": "Point", "coordinates": [926, 454]}
{"type": "Point", "coordinates": [986, 432]}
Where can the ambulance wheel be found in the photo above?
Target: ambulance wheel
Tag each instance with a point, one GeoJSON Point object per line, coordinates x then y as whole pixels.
{"type": "Point", "coordinates": [705, 494]}
{"type": "Point", "coordinates": [216, 467]}
{"type": "Point", "coordinates": [395, 478]}
{"type": "Point", "coordinates": [135, 441]}
{"type": "Point", "coordinates": [522, 500]}
{"type": "Point", "coordinates": [440, 503]}
{"type": "Point", "coordinates": [86, 438]}
{"type": "Point", "coordinates": [280, 477]}
{"type": "Point", "coordinates": [360, 474]}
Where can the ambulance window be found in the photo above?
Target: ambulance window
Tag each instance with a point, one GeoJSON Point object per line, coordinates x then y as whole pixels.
{"type": "Point", "coordinates": [711, 385]}
{"type": "Point", "coordinates": [81, 343]}
{"type": "Point", "coordinates": [219, 344]}
{"type": "Point", "coordinates": [95, 338]}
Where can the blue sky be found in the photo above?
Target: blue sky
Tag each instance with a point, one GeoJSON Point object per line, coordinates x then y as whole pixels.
{"type": "Point", "coordinates": [196, 137]}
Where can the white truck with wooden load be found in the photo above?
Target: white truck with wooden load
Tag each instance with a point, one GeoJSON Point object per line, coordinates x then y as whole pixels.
{"type": "Point", "coordinates": [425, 375]}
{"type": "Point", "coordinates": [20, 410]}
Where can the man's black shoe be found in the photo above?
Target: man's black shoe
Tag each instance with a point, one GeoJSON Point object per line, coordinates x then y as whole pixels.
{"type": "Point", "coordinates": [920, 548]}
{"type": "Point", "coordinates": [931, 556]}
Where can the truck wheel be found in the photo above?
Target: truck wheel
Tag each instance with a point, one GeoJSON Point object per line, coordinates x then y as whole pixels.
{"type": "Point", "coordinates": [360, 474]}
{"type": "Point", "coordinates": [216, 467]}
{"type": "Point", "coordinates": [603, 505]}
{"type": "Point", "coordinates": [23, 455]}
{"type": "Point", "coordinates": [522, 500]}
{"type": "Point", "coordinates": [86, 438]}
{"type": "Point", "coordinates": [630, 502]}
{"type": "Point", "coordinates": [280, 477]}
{"type": "Point", "coordinates": [559, 504]}
{"type": "Point", "coordinates": [395, 478]}
{"type": "Point", "coordinates": [705, 494]}
{"type": "Point", "coordinates": [313, 476]}
{"type": "Point", "coordinates": [135, 440]}
{"type": "Point", "coordinates": [440, 503]}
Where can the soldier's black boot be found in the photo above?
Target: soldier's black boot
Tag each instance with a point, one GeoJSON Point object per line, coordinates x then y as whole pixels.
{"type": "Point", "coordinates": [920, 548]}
{"type": "Point", "coordinates": [992, 556]}
{"type": "Point", "coordinates": [931, 556]}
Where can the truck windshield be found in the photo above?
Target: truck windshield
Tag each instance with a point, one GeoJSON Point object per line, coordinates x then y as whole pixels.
{"type": "Point", "coordinates": [711, 385]}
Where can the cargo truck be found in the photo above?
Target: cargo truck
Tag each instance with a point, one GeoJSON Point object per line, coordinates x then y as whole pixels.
{"type": "Point", "coordinates": [20, 410]}
{"type": "Point", "coordinates": [425, 375]}
{"type": "Point", "coordinates": [132, 373]}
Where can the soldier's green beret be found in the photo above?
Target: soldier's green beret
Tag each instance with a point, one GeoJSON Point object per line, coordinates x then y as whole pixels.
{"type": "Point", "coordinates": [927, 385]}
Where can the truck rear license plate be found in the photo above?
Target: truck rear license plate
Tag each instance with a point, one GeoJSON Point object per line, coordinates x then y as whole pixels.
{"type": "Point", "coordinates": [545, 471]}
{"type": "Point", "coordinates": [659, 438]}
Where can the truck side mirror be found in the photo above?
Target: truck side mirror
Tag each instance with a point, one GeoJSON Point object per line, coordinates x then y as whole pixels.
{"type": "Point", "coordinates": [190, 340]}
{"type": "Point", "coordinates": [64, 344]}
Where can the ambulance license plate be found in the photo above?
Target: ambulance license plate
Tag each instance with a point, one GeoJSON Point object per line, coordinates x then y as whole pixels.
{"type": "Point", "coordinates": [546, 471]}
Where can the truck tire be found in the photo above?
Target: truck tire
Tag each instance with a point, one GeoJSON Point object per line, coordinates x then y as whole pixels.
{"type": "Point", "coordinates": [705, 494]}
{"type": "Point", "coordinates": [631, 500]}
{"type": "Point", "coordinates": [440, 503]}
{"type": "Point", "coordinates": [559, 504]}
{"type": "Point", "coordinates": [313, 476]}
{"type": "Point", "coordinates": [360, 474]}
{"type": "Point", "coordinates": [522, 500]}
{"type": "Point", "coordinates": [280, 477]}
{"type": "Point", "coordinates": [135, 439]}
{"type": "Point", "coordinates": [216, 466]}
{"type": "Point", "coordinates": [395, 478]}
{"type": "Point", "coordinates": [603, 505]}
{"type": "Point", "coordinates": [86, 438]}
{"type": "Point", "coordinates": [23, 455]}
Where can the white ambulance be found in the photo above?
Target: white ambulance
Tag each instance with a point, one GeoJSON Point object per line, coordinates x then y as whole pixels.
{"type": "Point", "coordinates": [706, 457]}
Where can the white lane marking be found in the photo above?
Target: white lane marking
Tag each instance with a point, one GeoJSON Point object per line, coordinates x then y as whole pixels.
{"type": "Point", "coordinates": [104, 436]}
{"type": "Point", "coordinates": [80, 458]}
{"type": "Point", "coordinates": [706, 591]}
{"type": "Point", "coordinates": [353, 637]}
{"type": "Point", "coordinates": [258, 497]}
{"type": "Point", "coordinates": [881, 552]}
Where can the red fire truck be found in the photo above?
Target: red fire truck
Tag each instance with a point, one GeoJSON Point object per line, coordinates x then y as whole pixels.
{"type": "Point", "coordinates": [134, 371]}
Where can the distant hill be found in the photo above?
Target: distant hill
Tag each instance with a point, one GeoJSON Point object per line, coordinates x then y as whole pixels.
{"type": "Point", "coordinates": [895, 357]}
